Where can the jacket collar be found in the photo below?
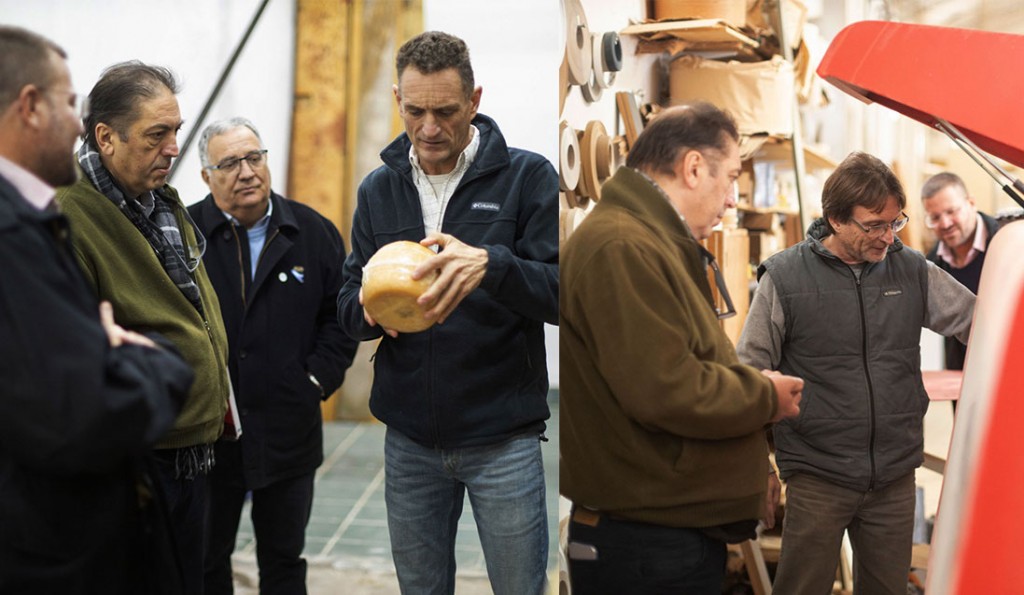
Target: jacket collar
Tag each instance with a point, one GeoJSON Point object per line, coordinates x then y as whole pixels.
{"type": "Point", "coordinates": [213, 218]}
{"type": "Point", "coordinates": [636, 193]}
{"type": "Point", "coordinates": [491, 156]}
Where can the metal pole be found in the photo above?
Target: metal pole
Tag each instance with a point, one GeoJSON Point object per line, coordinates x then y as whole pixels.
{"type": "Point", "coordinates": [216, 90]}
{"type": "Point", "coordinates": [775, 8]}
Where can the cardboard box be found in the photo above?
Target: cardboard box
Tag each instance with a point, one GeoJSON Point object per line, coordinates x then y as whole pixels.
{"type": "Point", "coordinates": [759, 220]}
{"type": "Point", "coordinates": [759, 95]}
{"type": "Point", "coordinates": [733, 12]}
{"type": "Point", "coordinates": [794, 17]}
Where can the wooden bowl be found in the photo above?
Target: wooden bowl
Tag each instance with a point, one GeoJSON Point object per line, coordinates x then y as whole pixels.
{"type": "Point", "coordinates": [389, 291]}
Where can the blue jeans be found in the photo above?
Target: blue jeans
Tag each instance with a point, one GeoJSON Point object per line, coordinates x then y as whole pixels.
{"type": "Point", "coordinates": [619, 557]}
{"type": "Point", "coordinates": [424, 491]}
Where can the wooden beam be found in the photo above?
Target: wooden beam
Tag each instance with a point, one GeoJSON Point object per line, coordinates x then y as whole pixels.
{"type": "Point", "coordinates": [343, 115]}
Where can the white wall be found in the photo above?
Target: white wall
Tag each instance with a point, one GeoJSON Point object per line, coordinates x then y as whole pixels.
{"type": "Point", "coordinates": [193, 38]}
{"type": "Point", "coordinates": [515, 48]}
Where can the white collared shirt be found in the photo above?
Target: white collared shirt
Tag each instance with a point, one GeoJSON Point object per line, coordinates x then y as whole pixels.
{"type": "Point", "coordinates": [980, 241]}
{"type": "Point", "coordinates": [38, 193]}
{"type": "Point", "coordinates": [436, 191]}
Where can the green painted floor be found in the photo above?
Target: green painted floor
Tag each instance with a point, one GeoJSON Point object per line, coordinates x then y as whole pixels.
{"type": "Point", "coordinates": [348, 528]}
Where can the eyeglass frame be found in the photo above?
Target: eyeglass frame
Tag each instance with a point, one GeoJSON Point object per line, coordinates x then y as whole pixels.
{"type": "Point", "coordinates": [948, 213]}
{"type": "Point", "coordinates": [723, 289]}
{"type": "Point", "coordinates": [228, 166]}
{"type": "Point", "coordinates": [877, 230]}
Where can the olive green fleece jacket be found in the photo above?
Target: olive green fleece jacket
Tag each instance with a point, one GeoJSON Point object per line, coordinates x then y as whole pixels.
{"type": "Point", "coordinates": [660, 423]}
{"type": "Point", "coordinates": [124, 269]}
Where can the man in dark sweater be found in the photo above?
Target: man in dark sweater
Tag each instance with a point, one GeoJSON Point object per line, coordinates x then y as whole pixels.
{"type": "Point", "coordinates": [963, 235]}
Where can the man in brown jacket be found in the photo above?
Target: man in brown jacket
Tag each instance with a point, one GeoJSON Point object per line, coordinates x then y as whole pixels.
{"type": "Point", "coordinates": [663, 453]}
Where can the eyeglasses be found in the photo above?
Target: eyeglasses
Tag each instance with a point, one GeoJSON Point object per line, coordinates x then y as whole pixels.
{"type": "Point", "coordinates": [723, 290]}
{"type": "Point", "coordinates": [933, 220]}
{"type": "Point", "coordinates": [79, 103]}
{"type": "Point", "coordinates": [878, 229]}
{"type": "Point", "coordinates": [254, 159]}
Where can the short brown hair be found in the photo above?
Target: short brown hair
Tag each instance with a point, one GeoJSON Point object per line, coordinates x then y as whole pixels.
{"type": "Point", "coordinates": [698, 127]}
{"type": "Point", "coordinates": [860, 180]}
{"type": "Point", "coordinates": [434, 51]}
{"type": "Point", "coordinates": [940, 181]}
{"type": "Point", "coordinates": [25, 59]}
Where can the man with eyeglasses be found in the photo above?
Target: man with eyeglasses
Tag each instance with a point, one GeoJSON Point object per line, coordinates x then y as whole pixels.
{"type": "Point", "coordinates": [276, 265]}
{"type": "Point", "coordinates": [662, 429]}
{"type": "Point", "coordinates": [963, 234]}
{"type": "Point", "coordinates": [83, 399]}
{"type": "Point", "coordinates": [140, 251]}
{"type": "Point", "coordinates": [843, 310]}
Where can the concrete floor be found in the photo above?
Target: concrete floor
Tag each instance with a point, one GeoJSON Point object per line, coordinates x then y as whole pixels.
{"type": "Point", "coordinates": [347, 542]}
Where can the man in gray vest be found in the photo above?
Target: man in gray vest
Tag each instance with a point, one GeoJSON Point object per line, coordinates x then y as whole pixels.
{"type": "Point", "coordinates": [843, 310]}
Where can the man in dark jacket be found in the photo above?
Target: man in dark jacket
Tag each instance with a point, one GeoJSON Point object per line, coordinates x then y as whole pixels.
{"type": "Point", "coordinates": [464, 401]}
{"type": "Point", "coordinates": [276, 267]}
{"type": "Point", "coordinates": [82, 398]}
{"type": "Point", "coordinates": [963, 234]}
{"type": "Point", "coordinates": [844, 310]}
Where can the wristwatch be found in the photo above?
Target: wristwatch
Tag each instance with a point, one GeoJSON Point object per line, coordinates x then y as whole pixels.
{"type": "Point", "coordinates": [315, 382]}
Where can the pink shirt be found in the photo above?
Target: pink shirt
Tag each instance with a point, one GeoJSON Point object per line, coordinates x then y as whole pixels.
{"type": "Point", "coordinates": [38, 193]}
{"type": "Point", "coordinates": [980, 241]}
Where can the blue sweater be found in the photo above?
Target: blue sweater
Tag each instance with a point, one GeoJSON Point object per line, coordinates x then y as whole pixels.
{"type": "Point", "coordinates": [480, 377]}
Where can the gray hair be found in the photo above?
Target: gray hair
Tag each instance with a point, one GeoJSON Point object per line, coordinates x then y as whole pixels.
{"type": "Point", "coordinates": [218, 128]}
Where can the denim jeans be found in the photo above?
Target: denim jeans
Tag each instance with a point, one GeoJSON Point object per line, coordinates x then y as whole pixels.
{"type": "Point", "coordinates": [424, 491]}
{"type": "Point", "coordinates": [627, 558]}
{"type": "Point", "coordinates": [880, 523]}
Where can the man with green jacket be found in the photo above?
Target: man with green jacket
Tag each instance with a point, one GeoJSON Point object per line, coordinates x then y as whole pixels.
{"type": "Point", "coordinates": [139, 251]}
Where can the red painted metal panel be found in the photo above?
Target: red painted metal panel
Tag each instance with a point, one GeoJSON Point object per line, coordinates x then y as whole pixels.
{"type": "Point", "coordinates": [969, 78]}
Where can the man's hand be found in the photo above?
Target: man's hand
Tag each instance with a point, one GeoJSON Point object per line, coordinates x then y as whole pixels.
{"type": "Point", "coordinates": [370, 321]}
{"type": "Point", "coordinates": [461, 267]}
{"type": "Point", "coordinates": [788, 392]}
{"type": "Point", "coordinates": [117, 335]}
{"type": "Point", "coordinates": [771, 500]}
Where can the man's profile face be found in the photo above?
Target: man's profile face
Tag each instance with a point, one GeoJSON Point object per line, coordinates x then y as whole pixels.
{"type": "Point", "coordinates": [716, 190]}
{"type": "Point", "coordinates": [141, 161]}
{"type": "Point", "coordinates": [63, 128]}
{"type": "Point", "coordinates": [437, 115]}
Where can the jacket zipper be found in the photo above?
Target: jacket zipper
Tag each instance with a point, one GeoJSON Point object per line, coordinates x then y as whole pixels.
{"type": "Point", "coordinates": [241, 264]}
{"type": "Point", "coordinates": [867, 373]}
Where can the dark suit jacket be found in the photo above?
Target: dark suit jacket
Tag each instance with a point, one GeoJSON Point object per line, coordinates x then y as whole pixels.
{"type": "Point", "coordinates": [76, 418]}
{"type": "Point", "coordinates": [282, 325]}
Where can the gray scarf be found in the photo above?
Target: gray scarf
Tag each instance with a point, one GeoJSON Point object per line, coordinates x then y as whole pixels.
{"type": "Point", "coordinates": [160, 229]}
